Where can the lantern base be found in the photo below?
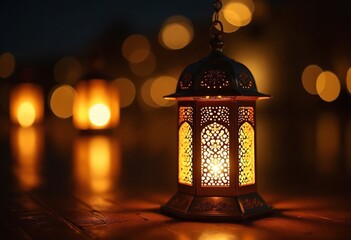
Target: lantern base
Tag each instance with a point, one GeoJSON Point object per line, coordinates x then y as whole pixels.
{"type": "Point", "coordinates": [205, 208]}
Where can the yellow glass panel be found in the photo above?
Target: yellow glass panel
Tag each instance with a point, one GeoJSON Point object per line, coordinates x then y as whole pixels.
{"type": "Point", "coordinates": [246, 154]}
{"type": "Point", "coordinates": [185, 148]}
{"type": "Point", "coordinates": [215, 156]}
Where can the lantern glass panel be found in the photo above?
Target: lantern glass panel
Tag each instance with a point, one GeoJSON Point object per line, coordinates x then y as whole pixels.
{"type": "Point", "coordinates": [185, 146]}
{"type": "Point", "coordinates": [185, 154]}
{"type": "Point", "coordinates": [215, 156]}
{"type": "Point", "coordinates": [246, 146]}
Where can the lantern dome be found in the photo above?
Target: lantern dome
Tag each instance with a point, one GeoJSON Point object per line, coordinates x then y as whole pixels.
{"type": "Point", "coordinates": [216, 76]}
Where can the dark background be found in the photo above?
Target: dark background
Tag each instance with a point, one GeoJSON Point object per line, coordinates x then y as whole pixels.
{"type": "Point", "coordinates": [303, 142]}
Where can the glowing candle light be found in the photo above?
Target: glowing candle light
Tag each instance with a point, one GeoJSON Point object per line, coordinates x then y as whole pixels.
{"type": "Point", "coordinates": [96, 105]}
{"type": "Point", "coordinates": [26, 105]}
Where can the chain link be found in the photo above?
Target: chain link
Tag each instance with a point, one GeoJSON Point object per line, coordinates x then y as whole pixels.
{"type": "Point", "coordinates": [217, 6]}
{"type": "Point", "coordinates": [216, 28]}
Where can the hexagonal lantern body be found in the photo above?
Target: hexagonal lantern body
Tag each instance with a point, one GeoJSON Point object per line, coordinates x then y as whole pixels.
{"type": "Point", "coordinates": [216, 142]}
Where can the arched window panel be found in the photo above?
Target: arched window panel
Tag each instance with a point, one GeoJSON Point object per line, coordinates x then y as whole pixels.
{"type": "Point", "coordinates": [215, 165]}
{"type": "Point", "coordinates": [246, 154]}
{"type": "Point", "coordinates": [185, 154]}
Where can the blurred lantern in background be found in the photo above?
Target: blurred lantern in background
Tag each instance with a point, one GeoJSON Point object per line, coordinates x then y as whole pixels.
{"type": "Point", "coordinates": [216, 139]}
{"type": "Point", "coordinates": [26, 104]}
{"type": "Point", "coordinates": [96, 105]}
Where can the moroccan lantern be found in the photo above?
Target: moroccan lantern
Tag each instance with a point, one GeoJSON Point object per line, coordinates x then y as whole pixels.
{"type": "Point", "coordinates": [217, 177]}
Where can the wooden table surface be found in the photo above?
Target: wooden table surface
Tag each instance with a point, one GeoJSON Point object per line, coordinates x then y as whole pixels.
{"type": "Point", "coordinates": [53, 193]}
{"type": "Point", "coordinates": [46, 216]}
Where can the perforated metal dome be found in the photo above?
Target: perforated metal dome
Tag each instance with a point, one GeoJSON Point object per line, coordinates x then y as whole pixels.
{"type": "Point", "coordinates": [216, 76]}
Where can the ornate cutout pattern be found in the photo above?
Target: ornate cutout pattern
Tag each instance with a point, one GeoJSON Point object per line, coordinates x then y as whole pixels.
{"type": "Point", "coordinates": [185, 115]}
{"type": "Point", "coordinates": [212, 114]}
{"type": "Point", "coordinates": [215, 156]}
{"type": "Point", "coordinates": [214, 79]}
{"type": "Point", "coordinates": [245, 81]}
{"type": "Point", "coordinates": [185, 82]}
{"type": "Point", "coordinates": [246, 155]}
{"type": "Point", "coordinates": [185, 158]}
{"type": "Point", "coordinates": [246, 114]}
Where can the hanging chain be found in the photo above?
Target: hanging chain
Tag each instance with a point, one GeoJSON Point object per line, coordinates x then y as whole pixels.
{"type": "Point", "coordinates": [217, 6]}
{"type": "Point", "coordinates": [217, 43]}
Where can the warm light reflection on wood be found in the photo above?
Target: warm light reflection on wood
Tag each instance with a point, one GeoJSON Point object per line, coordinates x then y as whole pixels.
{"type": "Point", "coordinates": [217, 236]}
{"type": "Point", "coordinates": [26, 104]}
{"type": "Point", "coordinates": [27, 148]}
{"type": "Point", "coordinates": [327, 142]}
{"type": "Point", "coordinates": [96, 105]}
{"type": "Point", "coordinates": [96, 164]}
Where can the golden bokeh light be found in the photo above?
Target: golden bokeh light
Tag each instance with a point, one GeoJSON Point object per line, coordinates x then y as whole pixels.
{"type": "Point", "coordinates": [67, 70]}
{"type": "Point", "coordinates": [238, 12]}
{"type": "Point", "coordinates": [126, 89]}
{"type": "Point", "coordinates": [348, 80]}
{"type": "Point", "coordinates": [227, 27]}
{"type": "Point", "coordinates": [145, 67]}
{"type": "Point", "coordinates": [136, 48]}
{"type": "Point", "coordinates": [160, 87]}
{"type": "Point", "coordinates": [7, 64]}
{"type": "Point", "coordinates": [328, 86]}
{"type": "Point", "coordinates": [99, 115]}
{"type": "Point", "coordinates": [26, 104]}
{"type": "Point", "coordinates": [176, 33]}
{"type": "Point", "coordinates": [309, 78]}
{"type": "Point", "coordinates": [235, 14]}
{"type": "Point", "coordinates": [61, 101]}
{"type": "Point", "coordinates": [145, 94]}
